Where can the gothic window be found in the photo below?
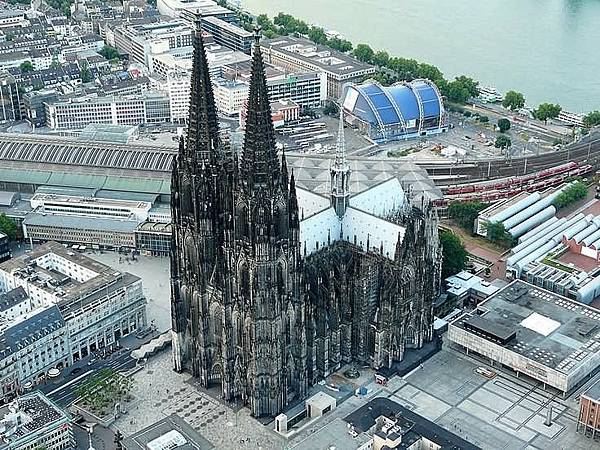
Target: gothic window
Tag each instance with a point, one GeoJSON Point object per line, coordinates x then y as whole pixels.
{"type": "Point", "coordinates": [241, 222]}
{"type": "Point", "coordinates": [409, 336]}
{"type": "Point", "coordinates": [281, 287]}
{"type": "Point", "coordinates": [186, 199]}
{"type": "Point", "coordinates": [280, 221]}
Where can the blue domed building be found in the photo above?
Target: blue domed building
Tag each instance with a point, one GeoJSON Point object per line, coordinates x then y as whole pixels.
{"type": "Point", "coordinates": [401, 111]}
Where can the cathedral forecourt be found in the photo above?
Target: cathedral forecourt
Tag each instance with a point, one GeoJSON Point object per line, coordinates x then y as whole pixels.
{"type": "Point", "coordinates": [267, 301]}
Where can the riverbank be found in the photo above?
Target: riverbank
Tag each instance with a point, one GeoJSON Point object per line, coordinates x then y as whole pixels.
{"type": "Point", "coordinates": [486, 40]}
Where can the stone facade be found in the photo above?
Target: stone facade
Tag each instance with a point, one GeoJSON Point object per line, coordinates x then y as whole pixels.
{"type": "Point", "coordinates": [250, 309]}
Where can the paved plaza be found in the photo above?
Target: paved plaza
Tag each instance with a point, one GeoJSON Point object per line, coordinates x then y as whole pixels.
{"type": "Point", "coordinates": [154, 272]}
{"type": "Point", "coordinates": [159, 392]}
{"type": "Point", "coordinates": [502, 413]}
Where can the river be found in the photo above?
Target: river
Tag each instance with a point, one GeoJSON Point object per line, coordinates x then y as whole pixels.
{"type": "Point", "coordinates": [547, 49]}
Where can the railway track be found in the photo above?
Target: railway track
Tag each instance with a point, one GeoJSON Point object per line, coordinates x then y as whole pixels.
{"type": "Point", "coordinates": [587, 151]}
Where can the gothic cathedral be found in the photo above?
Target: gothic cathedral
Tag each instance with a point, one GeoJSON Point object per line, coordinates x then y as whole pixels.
{"type": "Point", "coordinates": [269, 296]}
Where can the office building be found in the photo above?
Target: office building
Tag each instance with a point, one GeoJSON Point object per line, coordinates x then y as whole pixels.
{"type": "Point", "coordinates": [33, 422]}
{"type": "Point", "coordinates": [5, 252]}
{"type": "Point", "coordinates": [31, 344]}
{"type": "Point", "coordinates": [299, 54]}
{"type": "Point", "coordinates": [10, 18]}
{"type": "Point", "coordinates": [99, 304]}
{"type": "Point", "coordinates": [192, 10]}
{"type": "Point", "coordinates": [588, 421]}
{"type": "Point", "coordinates": [534, 332]}
{"type": "Point", "coordinates": [228, 34]}
{"type": "Point", "coordinates": [33, 104]}
{"type": "Point", "coordinates": [142, 40]}
{"type": "Point", "coordinates": [75, 114]}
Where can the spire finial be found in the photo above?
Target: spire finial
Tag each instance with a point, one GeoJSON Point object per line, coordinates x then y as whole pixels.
{"type": "Point", "coordinates": [257, 34]}
{"type": "Point", "coordinates": [340, 150]}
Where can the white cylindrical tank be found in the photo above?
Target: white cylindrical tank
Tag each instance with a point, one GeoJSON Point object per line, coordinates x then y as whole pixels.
{"type": "Point", "coordinates": [590, 229]}
{"type": "Point", "coordinates": [533, 221]}
{"type": "Point", "coordinates": [539, 253]}
{"type": "Point", "coordinates": [534, 244]}
{"type": "Point", "coordinates": [533, 209]}
{"type": "Point", "coordinates": [539, 235]}
{"type": "Point", "coordinates": [517, 207]}
{"type": "Point", "coordinates": [589, 240]}
{"type": "Point", "coordinates": [577, 227]}
{"type": "Point", "coordinates": [541, 227]}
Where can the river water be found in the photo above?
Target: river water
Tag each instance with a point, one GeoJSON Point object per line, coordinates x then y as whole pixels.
{"type": "Point", "coordinates": [547, 49]}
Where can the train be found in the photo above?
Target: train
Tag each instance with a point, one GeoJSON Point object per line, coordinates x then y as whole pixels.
{"type": "Point", "coordinates": [491, 192]}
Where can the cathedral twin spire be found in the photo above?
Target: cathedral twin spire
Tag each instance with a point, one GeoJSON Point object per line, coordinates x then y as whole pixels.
{"type": "Point", "coordinates": [203, 129]}
{"type": "Point", "coordinates": [259, 164]}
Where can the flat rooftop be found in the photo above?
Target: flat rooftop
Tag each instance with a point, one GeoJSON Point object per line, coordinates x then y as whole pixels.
{"type": "Point", "coordinates": [554, 331]}
{"type": "Point", "coordinates": [364, 418]}
{"type": "Point", "coordinates": [321, 56]}
{"type": "Point", "coordinates": [72, 292]}
{"type": "Point", "coordinates": [593, 392]}
{"type": "Point", "coordinates": [89, 201]}
{"type": "Point", "coordinates": [193, 440]}
{"type": "Point", "coordinates": [40, 411]}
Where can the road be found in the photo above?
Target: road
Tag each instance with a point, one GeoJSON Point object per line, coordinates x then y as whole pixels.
{"type": "Point", "coordinates": [63, 391]}
{"type": "Point", "coordinates": [586, 150]}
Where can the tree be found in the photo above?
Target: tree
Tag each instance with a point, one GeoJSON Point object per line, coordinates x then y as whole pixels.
{"type": "Point", "coordinates": [317, 35]}
{"type": "Point", "coordinates": [465, 213]}
{"type": "Point", "coordinates": [469, 84]}
{"type": "Point", "coordinates": [457, 92]}
{"type": "Point", "coordinates": [496, 233]}
{"type": "Point", "coordinates": [503, 142]}
{"type": "Point", "coordinates": [109, 52]}
{"type": "Point", "coordinates": [341, 45]}
{"type": "Point", "coordinates": [513, 100]}
{"type": "Point", "coordinates": [26, 66]}
{"type": "Point", "coordinates": [454, 255]}
{"type": "Point", "coordinates": [484, 119]}
{"type": "Point", "coordinates": [380, 58]}
{"type": "Point", "coordinates": [364, 53]}
{"type": "Point", "coordinates": [503, 125]}
{"type": "Point", "coordinates": [592, 119]}
{"type": "Point", "coordinates": [571, 194]}
{"type": "Point", "coordinates": [8, 227]}
{"type": "Point", "coordinates": [547, 111]}
{"type": "Point", "coordinates": [331, 109]}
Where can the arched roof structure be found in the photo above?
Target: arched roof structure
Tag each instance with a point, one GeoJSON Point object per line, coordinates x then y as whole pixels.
{"type": "Point", "coordinates": [403, 104]}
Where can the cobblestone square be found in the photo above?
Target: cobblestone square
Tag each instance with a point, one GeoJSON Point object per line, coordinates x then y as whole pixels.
{"type": "Point", "coordinates": [160, 392]}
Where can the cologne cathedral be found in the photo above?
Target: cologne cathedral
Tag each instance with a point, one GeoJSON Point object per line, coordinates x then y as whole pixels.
{"type": "Point", "coordinates": [274, 287]}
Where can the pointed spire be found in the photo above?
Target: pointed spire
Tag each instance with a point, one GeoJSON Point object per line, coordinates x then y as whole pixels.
{"type": "Point", "coordinates": [340, 173]}
{"type": "Point", "coordinates": [203, 127]}
{"type": "Point", "coordinates": [284, 171]}
{"type": "Point", "coordinates": [340, 149]}
{"type": "Point", "coordinates": [294, 221]}
{"type": "Point", "coordinates": [259, 164]}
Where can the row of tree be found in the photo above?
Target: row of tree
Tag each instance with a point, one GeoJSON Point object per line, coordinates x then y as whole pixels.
{"type": "Point", "coordinates": [285, 24]}
{"type": "Point", "coordinates": [392, 69]}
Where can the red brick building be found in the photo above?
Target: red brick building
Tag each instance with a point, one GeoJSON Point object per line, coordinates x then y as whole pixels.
{"type": "Point", "coordinates": [589, 412]}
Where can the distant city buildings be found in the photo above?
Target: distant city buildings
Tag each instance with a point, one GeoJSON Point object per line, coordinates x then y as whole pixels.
{"type": "Point", "coordinates": [151, 107]}
{"type": "Point", "coordinates": [33, 422]}
{"type": "Point", "coordinates": [57, 307]}
{"type": "Point", "coordinates": [299, 54]}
